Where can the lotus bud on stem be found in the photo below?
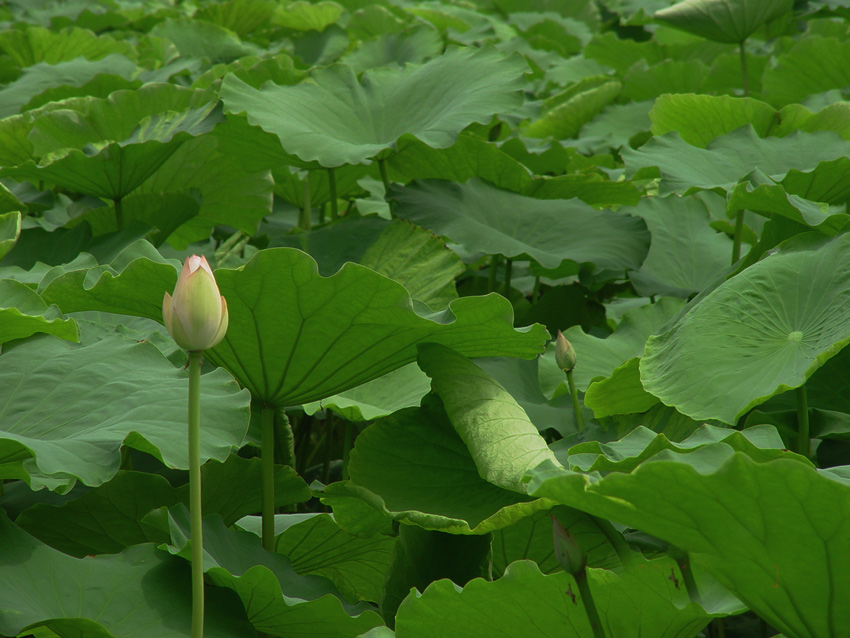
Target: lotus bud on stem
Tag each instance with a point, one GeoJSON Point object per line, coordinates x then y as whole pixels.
{"type": "Point", "coordinates": [565, 357]}
{"type": "Point", "coordinates": [196, 318]}
{"type": "Point", "coordinates": [573, 560]}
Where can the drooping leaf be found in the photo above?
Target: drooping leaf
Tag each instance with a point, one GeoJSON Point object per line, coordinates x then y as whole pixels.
{"type": "Point", "coordinates": [342, 120]}
{"type": "Point", "coordinates": [10, 230]}
{"type": "Point", "coordinates": [813, 65]}
{"type": "Point", "coordinates": [565, 120]}
{"type": "Point", "coordinates": [762, 332]}
{"type": "Point", "coordinates": [620, 393]}
{"type": "Point", "coordinates": [24, 313]}
{"type": "Point", "coordinates": [196, 38]}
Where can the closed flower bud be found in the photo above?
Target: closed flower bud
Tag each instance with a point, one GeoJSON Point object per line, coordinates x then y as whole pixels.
{"type": "Point", "coordinates": [565, 356]}
{"type": "Point", "coordinates": [568, 552]}
{"type": "Point", "coordinates": [196, 316]}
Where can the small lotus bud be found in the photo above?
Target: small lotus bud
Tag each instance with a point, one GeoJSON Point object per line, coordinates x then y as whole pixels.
{"type": "Point", "coordinates": [196, 316]}
{"type": "Point", "coordinates": [565, 356]}
{"type": "Point", "coordinates": [568, 552]}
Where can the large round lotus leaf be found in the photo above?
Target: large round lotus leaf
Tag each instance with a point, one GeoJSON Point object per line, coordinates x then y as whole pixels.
{"type": "Point", "coordinates": [138, 593]}
{"type": "Point", "coordinates": [108, 147]}
{"type": "Point", "coordinates": [295, 336]}
{"type": "Point", "coordinates": [67, 411]}
{"type": "Point", "coordinates": [761, 333]}
{"type": "Point", "coordinates": [486, 219]}
{"type": "Point", "coordinates": [339, 119]}
{"type": "Point", "coordinates": [721, 20]}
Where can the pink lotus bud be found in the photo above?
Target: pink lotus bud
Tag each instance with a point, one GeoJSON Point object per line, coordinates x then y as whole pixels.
{"type": "Point", "coordinates": [565, 356]}
{"type": "Point", "coordinates": [196, 316]}
{"type": "Point", "coordinates": [568, 552]}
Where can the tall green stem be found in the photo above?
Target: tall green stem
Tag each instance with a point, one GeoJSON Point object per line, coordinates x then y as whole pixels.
{"type": "Point", "coordinates": [346, 448]}
{"type": "Point", "coordinates": [745, 77]}
{"type": "Point", "coordinates": [803, 438]}
{"type": "Point", "coordinates": [332, 188]}
{"type": "Point", "coordinates": [736, 238]}
{"type": "Point", "coordinates": [535, 292]}
{"type": "Point", "coordinates": [306, 221]}
{"type": "Point", "coordinates": [509, 263]}
{"type": "Point", "coordinates": [574, 395]}
{"type": "Point", "coordinates": [589, 605]}
{"type": "Point", "coordinates": [196, 521]}
{"type": "Point", "coordinates": [268, 477]}
{"type": "Point", "coordinates": [329, 441]}
{"type": "Point", "coordinates": [119, 213]}
{"type": "Point", "coordinates": [385, 178]}
{"type": "Point", "coordinates": [494, 271]}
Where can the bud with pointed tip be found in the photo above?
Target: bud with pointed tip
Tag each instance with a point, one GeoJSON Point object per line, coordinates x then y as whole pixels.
{"type": "Point", "coordinates": [568, 552]}
{"type": "Point", "coordinates": [196, 316]}
{"type": "Point", "coordinates": [565, 356]}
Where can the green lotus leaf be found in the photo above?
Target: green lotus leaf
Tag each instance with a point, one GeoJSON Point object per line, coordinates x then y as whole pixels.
{"type": "Point", "coordinates": [721, 21]}
{"type": "Point", "coordinates": [136, 593]}
{"type": "Point", "coordinates": [700, 118]}
{"type": "Point", "coordinates": [620, 393]}
{"type": "Point", "coordinates": [414, 46]}
{"type": "Point", "coordinates": [615, 126]}
{"type": "Point", "coordinates": [306, 16]}
{"type": "Point", "coordinates": [337, 332]}
{"type": "Point", "coordinates": [23, 313]}
{"type": "Point", "coordinates": [67, 412]}
{"type": "Point", "coordinates": [239, 16]}
{"type": "Point", "coordinates": [46, 79]}
{"type": "Point", "coordinates": [401, 388]}
{"type": "Point", "coordinates": [196, 38]}
{"type": "Point", "coordinates": [770, 532]}
{"type": "Point", "coordinates": [762, 332]}
{"type": "Point", "coordinates": [641, 601]}
{"type": "Point", "coordinates": [34, 44]}
{"type": "Point", "coordinates": [342, 120]}
{"type": "Point", "coordinates": [10, 229]}
{"type": "Point", "coordinates": [643, 82]}
{"type": "Point", "coordinates": [762, 443]}
{"type": "Point", "coordinates": [357, 566]}
{"type": "Point", "coordinates": [799, 71]}
{"type": "Point", "coordinates": [728, 158]}
{"type": "Point", "coordinates": [484, 218]}
{"type": "Point", "coordinates": [402, 464]}
{"type": "Point", "coordinates": [277, 600]}
{"type": "Point", "coordinates": [109, 147]}
{"type": "Point", "coordinates": [565, 120]}
{"type": "Point", "coordinates": [686, 255]}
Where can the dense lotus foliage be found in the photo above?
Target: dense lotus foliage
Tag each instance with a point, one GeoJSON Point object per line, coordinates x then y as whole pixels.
{"type": "Point", "coordinates": [403, 203]}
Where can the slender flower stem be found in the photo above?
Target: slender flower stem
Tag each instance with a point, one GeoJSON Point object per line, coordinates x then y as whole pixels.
{"type": "Point", "coordinates": [745, 78]}
{"type": "Point", "coordinates": [346, 448]}
{"type": "Point", "coordinates": [195, 514]}
{"type": "Point", "coordinates": [268, 477]}
{"type": "Point", "coordinates": [576, 407]}
{"type": "Point", "coordinates": [509, 263]}
{"type": "Point", "coordinates": [332, 188]}
{"type": "Point", "coordinates": [119, 213]}
{"type": "Point", "coordinates": [803, 438]}
{"type": "Point", "coordinates": [736, 238]}
{"type": "Point", "coordinates": [589, 605]}
{"type": "Point", "coordinates": [494, 271]}
{"type": "Point", "coordinates": [306, 221]}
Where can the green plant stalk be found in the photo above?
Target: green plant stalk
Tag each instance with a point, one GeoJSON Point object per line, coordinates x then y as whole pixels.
{"type": "Point", "coordinates": [574, 395]}
{"type": "Point", "coordinates": [332, 188]}
{"type": "Point", "coordinates": [306, 220]}
{"type": "Point", "coordinates": [621, 547]}
{"type": "Point", "coordinates": [195, 514]}
{"type": "Point", "coordinates": [268, 477]}
{"type": "Point", "coordinates": [119, 213]}
{"type": "Point", "coordinates": [346, 448]}
{"type": "Point", "coordinates": [329, 441]}
{"type": "Point", "coordinates": [535, 292]}
{"type": "Point", "coordinates": [494, 271]}
{"type": "Point", "coordinates": [589, 605]}
{"type": "Point", "coordinates": [736, 238]}
{"type": "Point", "coordinates": [745, 79]}
{"type": "Point", "coordinates": [509, 264]}
{"type": "Point", "coordinates": [803, 437]}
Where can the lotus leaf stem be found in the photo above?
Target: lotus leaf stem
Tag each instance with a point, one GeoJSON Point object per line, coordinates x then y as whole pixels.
{"type": "Point", "coordinates": [803, 437]}
{"type": "Point", "coordinates": [736, 238]}
{"type": "Point", "coordinates": [332, 188]}
{"type": "Point", "coordinates": [306, 220]}
{"type": "Point", "coordinates": [745, 79]}
{"type": "Point", "coordinates": [509, 264]}
{"type": "Point", "coordinates": [268, 477]}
